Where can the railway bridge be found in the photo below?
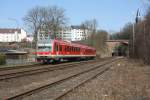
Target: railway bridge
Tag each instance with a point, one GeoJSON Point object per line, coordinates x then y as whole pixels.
{"type": "Point", "coordinates": [118, 47]}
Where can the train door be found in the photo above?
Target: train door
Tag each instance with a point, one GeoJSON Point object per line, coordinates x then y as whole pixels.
{"type": "Point", "coordinates": [56, 49]}
{"type": "Point", "coordinates": [60, 49]}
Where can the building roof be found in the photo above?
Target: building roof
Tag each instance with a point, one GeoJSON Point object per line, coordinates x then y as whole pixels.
{"type": "Point", "coordinates": [78, 27]}
{"type": "Point", "coordinates": [75, 27]}
{"type": "Point", "coordinates": [9, 30]}
{"type": "Point", "coordinates": [29, 35]}
{"type": "Point", "coordinates": [9, 51]}
{"type": "Point", "coordinates": [120, 41]}
{"type": "Point", "coordinates": [16, 52]}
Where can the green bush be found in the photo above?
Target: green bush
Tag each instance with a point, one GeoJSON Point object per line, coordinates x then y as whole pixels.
{"type": "Point", "coordinates": [2, 59]}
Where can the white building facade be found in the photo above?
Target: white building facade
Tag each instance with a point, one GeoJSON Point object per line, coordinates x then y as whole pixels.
{"type": "Point", "coordinates": [65, 34]}
{"type": "Point", "coordinates": [78, 33]}
{"type": "Point", "coordinates": [12, 35]}
{"type": "Point", "coordinates": [29, 38]}
{"type": "Point", "coordinates": [73, 33]}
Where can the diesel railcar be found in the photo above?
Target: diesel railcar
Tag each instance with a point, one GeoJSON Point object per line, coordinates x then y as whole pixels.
{"type": "Point", "coordinates": [55, 50]}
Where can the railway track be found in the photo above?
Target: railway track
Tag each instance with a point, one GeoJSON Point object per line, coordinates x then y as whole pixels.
{"type": "Point", "coordinates": [36, 69]}
{"type": "Point", "coordinates": [91, 73]}
{"type": "Point", "coordinates": [35, 65]}
{"type": "Point", "coordinates": [19, 67]}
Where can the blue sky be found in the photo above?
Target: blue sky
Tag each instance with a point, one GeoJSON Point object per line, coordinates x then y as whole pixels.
{"type": "Point", "coordinates": [111, 15]}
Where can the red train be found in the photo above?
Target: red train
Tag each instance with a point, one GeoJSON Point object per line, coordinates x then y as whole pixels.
{"type": "Point", "coordinates": [55, 50]}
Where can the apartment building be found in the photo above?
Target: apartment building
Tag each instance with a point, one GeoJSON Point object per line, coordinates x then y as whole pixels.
{"type": "Point", "coordinates": [12, 35]}
{"type": "Point", "coordinates": [73, 33]}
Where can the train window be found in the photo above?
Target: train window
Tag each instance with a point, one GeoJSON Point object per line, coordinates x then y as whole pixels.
{"type": "Point", "coordinates": [56, 47]}
{"type": "Point", "coordinates": [67, 48]}
{"type": "Point", "coordinates": [72, 49]}
{"type": "Point", "coordinates": [76, 49]}
{"type": "Point", "coordinates": [44, 48]}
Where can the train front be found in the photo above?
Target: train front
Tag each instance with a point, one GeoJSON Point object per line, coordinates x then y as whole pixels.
{"type": "Point", "coordinates": [44, 51]}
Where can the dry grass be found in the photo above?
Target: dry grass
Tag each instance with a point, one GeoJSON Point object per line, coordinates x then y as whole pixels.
{"type": "Point", "coordinates": [127, 80]}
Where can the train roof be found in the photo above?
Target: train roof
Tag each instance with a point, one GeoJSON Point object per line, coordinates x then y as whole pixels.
{"type": "Point", "coordinates": [73, 44]}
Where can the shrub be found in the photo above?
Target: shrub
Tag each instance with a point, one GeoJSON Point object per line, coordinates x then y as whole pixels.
{"type": "Point", "coordinates": [2, 59]}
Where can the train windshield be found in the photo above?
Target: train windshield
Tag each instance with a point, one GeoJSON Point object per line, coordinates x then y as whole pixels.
{"type": "Point", "coordinates": [44, 48]}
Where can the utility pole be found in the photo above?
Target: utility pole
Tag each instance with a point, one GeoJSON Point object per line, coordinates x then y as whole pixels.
{"type": "Point", "coordinates": [133, 40]}
{"type": "Point", "coordinates": [134, 25]}
{"type": "Point", "coordinates": [144, 39]}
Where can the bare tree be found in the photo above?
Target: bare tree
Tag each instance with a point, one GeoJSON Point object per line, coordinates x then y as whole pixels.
{"type": "Point", "coordinates": [55, 19]}
{"type": "Point", "coordinates": [48, 19]}
{"type": "Point", "coordinates": [142, 39]}
{"type": "Point", "coordinates": [84, 30]}
{"type": "Point", "coordinates": [124, 34]}
{"type": "Point", "coordinates": [34, 20]}
{"type": "Point", "coordinates": [91, 25]}
{"type": "Point", "coordinates": [100, 39]}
